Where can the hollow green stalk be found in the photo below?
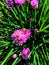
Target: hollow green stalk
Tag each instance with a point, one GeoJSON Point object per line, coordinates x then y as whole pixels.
{"type": "Point", "coordinates": [16, 61]}
{"type": "Point", "coordinates": [42, 11]}
{"type": "Point", "coordinates": [7, 57]}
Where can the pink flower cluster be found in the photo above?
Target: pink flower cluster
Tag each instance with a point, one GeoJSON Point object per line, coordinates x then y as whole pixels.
{"type": "Point", "coordinates": [34, 3]}
{"type": "Point", "coordinates": [20, 36]}
{"type": "Point", "coordinates": [25, 53]}
{"type": "Point", "coordinates": [19, 2]}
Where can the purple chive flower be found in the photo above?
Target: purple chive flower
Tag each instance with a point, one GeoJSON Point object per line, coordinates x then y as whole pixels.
{"type": "Point", "coordinates": [28, 1]}
{"type": "Point", "coordinates": [20, 37]}
{"type": "Point", "coordinates": [14, 56]}
{"type": "Point", "coordinates": [25, 53]}
{"type": "Point", "coordinates": [34, 3]}
{"type": "Point", "coordinates": [35, 30]}
{"type": "Point", "coordinates": [19, 2]}
{"type": "Point", "coordinates": [10, 3]}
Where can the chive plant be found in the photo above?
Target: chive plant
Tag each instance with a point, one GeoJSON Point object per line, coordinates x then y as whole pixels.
{"type": "Point", "coordinates": [24, 32]}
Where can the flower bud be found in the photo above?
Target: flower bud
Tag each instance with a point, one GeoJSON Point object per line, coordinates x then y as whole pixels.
{"type": "Point", "coordinates": [35, 30]}
{"type": "Point", "coordinates": [14, 56]}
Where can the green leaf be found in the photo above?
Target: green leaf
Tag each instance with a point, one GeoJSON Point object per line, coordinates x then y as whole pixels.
{"type": "Point", "coordinates": [4, 43]}
{"type": "Point", "coordinates": [45, 2]}
{"type": "Point", "coordinates": [1, 14]}
{"type": "Point", "coordinates": [7, 57]}
{"type": "Point", "coordinates": [2, 37]}
{"type": "Point", "coordinates": [44, 28]}
{"type": "Point", "coordinates": [35, 63]}
{"type": "Point", "coordinates": [1, 51]}
{"type": "Point", "coordinates": [46, 9]}
{"type": "Point", "coordinates": [16, 61]}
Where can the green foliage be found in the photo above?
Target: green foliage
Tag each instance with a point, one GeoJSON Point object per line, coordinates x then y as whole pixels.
{"type": "Point", "coordinates": [18, 17]}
